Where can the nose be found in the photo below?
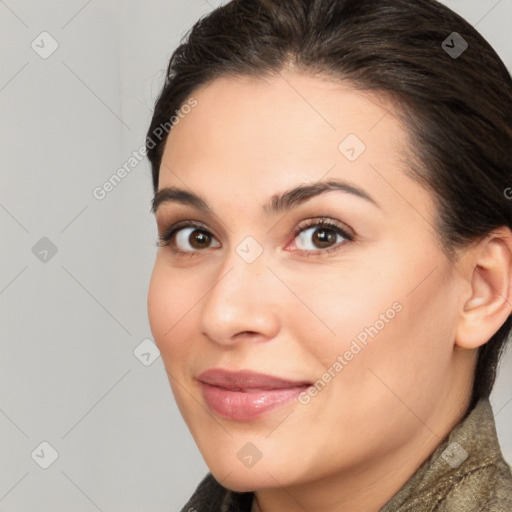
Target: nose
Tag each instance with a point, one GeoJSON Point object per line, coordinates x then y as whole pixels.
{"type": "Point", "coordinates": [242, 303]}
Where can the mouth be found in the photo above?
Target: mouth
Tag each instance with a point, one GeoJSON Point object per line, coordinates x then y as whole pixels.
{"type": "Point", "coordinates": [244, 395]}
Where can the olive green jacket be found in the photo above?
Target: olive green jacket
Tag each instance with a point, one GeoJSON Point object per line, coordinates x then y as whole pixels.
{"type": "Point", "coordinates": [466, 473]}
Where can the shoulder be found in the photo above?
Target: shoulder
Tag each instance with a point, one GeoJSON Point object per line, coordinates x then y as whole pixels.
{"type": "Point", "coordinates": [466, 473]}
{"type": "Point", "coordinates": [489, 488]}
{"type": "Point", "coordinates": [485, 489]}
{"type": "Point", "coordinates": [484, 480]}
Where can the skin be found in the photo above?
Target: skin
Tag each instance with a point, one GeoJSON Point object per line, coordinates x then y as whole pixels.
{"type": "Point", "coordinates": [290, 314]}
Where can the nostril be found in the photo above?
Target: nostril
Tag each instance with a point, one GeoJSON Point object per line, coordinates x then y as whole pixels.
{"type": "Point", "coordinates": [250, 335]}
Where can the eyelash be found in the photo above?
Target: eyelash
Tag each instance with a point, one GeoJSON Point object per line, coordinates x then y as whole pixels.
{"type": "Point", "coordinates": [167, 238]}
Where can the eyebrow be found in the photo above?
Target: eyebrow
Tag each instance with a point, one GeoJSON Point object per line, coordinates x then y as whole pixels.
{"type": "Point", "coordinates": [278, 203]}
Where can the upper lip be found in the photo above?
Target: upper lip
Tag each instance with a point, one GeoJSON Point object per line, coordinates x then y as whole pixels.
{"type": "Point", "coordinates": [246, 379]}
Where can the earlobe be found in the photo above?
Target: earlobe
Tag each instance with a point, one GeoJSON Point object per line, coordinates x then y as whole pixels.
{"type": "Point", "coordinates": [490, 280]}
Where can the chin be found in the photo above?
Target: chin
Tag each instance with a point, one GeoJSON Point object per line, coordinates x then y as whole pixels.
{"type": "Point", "coordinates": [245, 479]}
{"type": "Point", "coordinates": [249, 462]}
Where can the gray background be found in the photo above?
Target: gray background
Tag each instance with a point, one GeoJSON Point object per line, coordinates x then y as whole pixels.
{"type": "Point", "coordinates": [70, 324]}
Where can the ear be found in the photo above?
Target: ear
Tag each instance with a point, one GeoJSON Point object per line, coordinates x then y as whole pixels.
{"type": "Point", "coordinates": [489, 300]}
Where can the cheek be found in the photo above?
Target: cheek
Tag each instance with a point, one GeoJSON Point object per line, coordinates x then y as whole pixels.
{"type": "Point", "coordinates": [394, 314]}
{"type": "Point", "coordinates": [394, 336]}
{"type": "Point", "coordinates": [170, 301]}
{"type": "Point", "coordinates": [338, 305]}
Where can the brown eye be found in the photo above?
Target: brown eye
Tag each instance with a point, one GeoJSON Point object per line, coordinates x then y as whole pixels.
{"type": "Point", "coordinates": [318, 237]}
{"type": "Point", "coordinates": [192, 238]}
{"type": "Point", "coordinates": [324, 238]}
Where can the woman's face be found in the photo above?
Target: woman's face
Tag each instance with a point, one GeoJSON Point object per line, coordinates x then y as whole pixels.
{"type": "Point", "coordinates": [362, 308]}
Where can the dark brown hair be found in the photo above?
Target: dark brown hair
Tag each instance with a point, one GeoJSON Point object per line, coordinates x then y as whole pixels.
{"type": "Point", "coordinates": [457, 108]}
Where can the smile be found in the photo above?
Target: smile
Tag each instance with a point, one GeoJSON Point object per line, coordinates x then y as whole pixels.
{"type": "Point", "coordinates": [246, 395]}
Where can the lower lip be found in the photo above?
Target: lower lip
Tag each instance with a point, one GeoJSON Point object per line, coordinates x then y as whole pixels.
{"type": "Point", "coordinates": [239, 405]}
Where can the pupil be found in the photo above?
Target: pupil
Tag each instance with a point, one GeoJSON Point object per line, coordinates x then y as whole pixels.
{"type": "Point", "coordinates": [198, 239]}
{"type": "Point", "coordinates": [325, 236]}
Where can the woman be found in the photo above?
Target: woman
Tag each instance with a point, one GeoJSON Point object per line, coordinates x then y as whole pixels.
{"type": "Point", "coordinates": [333, 286]}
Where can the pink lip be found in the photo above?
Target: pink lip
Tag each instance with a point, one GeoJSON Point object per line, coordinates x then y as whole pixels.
{"type": "Point", "coordinates": [244, 395]}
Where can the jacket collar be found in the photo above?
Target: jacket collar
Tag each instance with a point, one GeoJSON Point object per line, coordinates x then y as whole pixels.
{"type": "Point", "coordinates": [466, 467]}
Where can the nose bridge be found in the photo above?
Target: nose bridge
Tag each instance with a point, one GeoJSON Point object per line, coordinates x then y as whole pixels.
{"type": "Point", "coordinates": [240, 299]}
{"type": "Point", "coordinates": [242, 269]}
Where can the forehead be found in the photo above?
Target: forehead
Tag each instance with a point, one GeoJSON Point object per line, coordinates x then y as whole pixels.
{"type": "Point", "coordinates": [288, 111]}
{"type": "Point", "coordinates": [266, 135]}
